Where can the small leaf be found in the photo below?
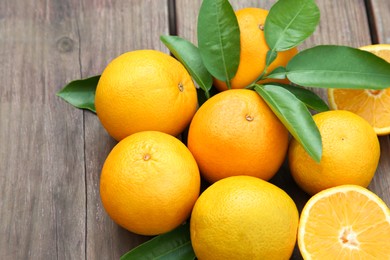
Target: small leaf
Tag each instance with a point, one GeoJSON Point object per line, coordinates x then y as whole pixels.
{"type": "Point", "coordinates": [295, 116]}
{"type": "Point", "coordinates": [309, 98]}
{"type": "Point", "coordinates": [172, 245]}
{"type": "Point", "coordinates": [219, 39]}
{"type": "Point", "coordinates": [188, 54]}
{"type": "Point", "coordinates": [277, 73]}
{"type": "Point", "coordinates": [271, 56]}
{"type": "Point", "coordinates": [289, 23]}
{"type": "Point", "coordinates": [81, 93]}
{"type": "Point", "coordinates": [332, 66]}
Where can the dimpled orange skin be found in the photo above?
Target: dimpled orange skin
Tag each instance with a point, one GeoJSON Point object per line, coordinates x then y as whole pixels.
{"type": "Point", "coordinates": [253, 50]}
{"type": "Point", "coordinates": [350, 153]}
{"type": "Point", "coordinates": [236, 133]}
{"type": "Point", "coordinates": [145, 90]}
{"type": "Point", "coordinates": [243, 217]}
{"type": "Point", "coordinates": [149, 183]}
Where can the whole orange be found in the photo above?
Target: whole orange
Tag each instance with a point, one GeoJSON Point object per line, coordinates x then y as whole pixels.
{"type": "Point", "coordinates": [236, 133]}
{"type": "Point", "coordinates": [149, 183]}
{"type": "Point", "coordinates": [145, 90]}
{"type": "Point", "coordinates": [243, 217]}
{"type": "Point", "coordinates": [350, 153]}
{"type": "Point", "coordinates": [253, 49]}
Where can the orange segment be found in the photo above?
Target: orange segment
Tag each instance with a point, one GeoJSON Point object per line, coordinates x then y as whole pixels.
{"type": "Point", "coordinates": [372, 105]}
{"type": "Point", "coordinates": [345, 222]}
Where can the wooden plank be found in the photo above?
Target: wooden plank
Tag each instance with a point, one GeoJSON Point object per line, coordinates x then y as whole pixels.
{"type": "Point", "coordinates": [42, 204]}
{"type": "Point", "coordinates": [342, 23]}
{"type": "Point", "coordinates": [380, 10]}
{"type": "Point", "coordinates": [379, 13]}
{"type": "Point", "coordinates": [108, 29]}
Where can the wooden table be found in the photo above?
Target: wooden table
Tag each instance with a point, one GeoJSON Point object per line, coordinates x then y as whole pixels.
{"type": "Point", "coordinates": [51, 154]}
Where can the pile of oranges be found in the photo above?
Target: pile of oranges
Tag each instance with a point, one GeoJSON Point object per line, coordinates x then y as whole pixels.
{"type": "Point", "coordinates": [151, 181]}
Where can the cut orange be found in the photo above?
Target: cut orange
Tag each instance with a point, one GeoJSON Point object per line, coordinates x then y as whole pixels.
{"type": "Point", "coordinates": [372, 105]}
{"type": "Point", "coordinates": [345, 222]}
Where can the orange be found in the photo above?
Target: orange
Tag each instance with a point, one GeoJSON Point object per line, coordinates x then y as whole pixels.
{"type": "Point", "coordinates": [345, 222]}
{"type": "Point", "coordinates": [254, 49]}
{"type": "Point", "coordinates": [236, 133]}
{"type": "Point", "coordinates": [149, 183]}
{"type": "Point", "coordinates": [145, 90]}
{"type": "Point", "coordinates": [243, 217]}
{"type": "Point", "coordinates": [372, 105]}
{"type": "Point", "coordinates": [350, 153]}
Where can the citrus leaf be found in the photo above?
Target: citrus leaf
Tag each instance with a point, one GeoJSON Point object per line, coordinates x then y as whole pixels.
{"type": "Point", "coordinates": [219, 39]}
{"type": "Point", "coordinates": [188, 54]}
{"type": "Point", "coordinates": [332, 66]}
{"type": "Point", "coordinates": [172, 245]}
{"type": "Point", "coordinates": [295, 116]}
{"type": "Point", "coordinates": [309, 98]}
{"type": "Point", "coordinates": [289, 23]}
{"type": "Point", "coordinates": [277, 73]}
{"type": "Point", "coordinates": [80, 93]}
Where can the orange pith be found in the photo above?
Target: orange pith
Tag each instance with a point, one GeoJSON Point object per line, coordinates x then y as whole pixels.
{"type": "Point", "coordinates": [345, 222]}
{"type": "Point", "coordinates": [372, 105]}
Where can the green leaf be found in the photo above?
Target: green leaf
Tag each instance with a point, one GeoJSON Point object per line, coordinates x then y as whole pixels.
{"type": "Point", "coordinates": [295, 116]}
{"type": "Point", "coordinates": [289, 23]}
{"type": "Point", "coordinates": [172, 245]}
{"type": "Point", "coordinates": [202, 95]}
{"type": "Point", "coordinates": [219, 39]}
{"type": "Point", "coordinates": [332, 66]}
{"type": "Point", "coordinates": [188, 54]}
{"type": "Point", "coordinates": [277, 73]}
{"type": "Point", "coordinates": [81, 93]}
{"type": "Point", "coordinates": [309, 98]}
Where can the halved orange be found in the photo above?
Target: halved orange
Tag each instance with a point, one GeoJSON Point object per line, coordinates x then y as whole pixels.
{"type": "Point", "coordinates": [345, 222]}
{"type": "Point", "coordinates": [372, 105]}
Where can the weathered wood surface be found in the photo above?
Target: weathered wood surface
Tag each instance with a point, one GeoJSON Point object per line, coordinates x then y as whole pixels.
{"type": "Point", "coordinates": [51, 154]}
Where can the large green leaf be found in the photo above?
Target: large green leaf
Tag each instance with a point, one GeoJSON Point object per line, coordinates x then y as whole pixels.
{"type": "Point", "coordinates": [219, 39]}
{"type": "Point", "coordinates": [289, 23]}
{"type": "Point", "coordinates": [295, 116]}
{"type": "Point", "coordinates": [308, 97]}
{"type": "Point", "coordinates": [172, 245]}
{"type": "Point", "coordinates": [331, 66]}
{"type": "Point", "coordinates": [81, 93]}
{"type": "Point", "coordinates": [188, 54]}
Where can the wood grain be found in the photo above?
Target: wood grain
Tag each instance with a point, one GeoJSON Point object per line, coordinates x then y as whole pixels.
{"type": "Point", "coordinates": [41, 161]}
{"type": "Point", "coordinates": [51, 154]}
{"type": "Point", "coordinates": [117, 27]}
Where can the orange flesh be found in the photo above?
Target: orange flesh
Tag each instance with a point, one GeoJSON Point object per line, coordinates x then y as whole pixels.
{"type": "Point", "coordinates": [372, 105]}
{"type": "Point", "coordinates": [347, 225]}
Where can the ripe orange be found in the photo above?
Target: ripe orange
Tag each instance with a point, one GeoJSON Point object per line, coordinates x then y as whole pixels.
{"type": "Point", "coordinates": [372, 105]}
{"type": "Point", "coordinates": [236, 133]}
{"type": "Point", "coordinates": [145, 90]}
{"type": "Point", "coordinates": [345, 222]}
{"type": "Point", "coordinates": [350, 153]}
{"type": "Point", "coordinates": [149, 183]}
{"type": "Point", "coordinates": [254, 49]}
{"type": "Point", "coordinates": [243, 217]}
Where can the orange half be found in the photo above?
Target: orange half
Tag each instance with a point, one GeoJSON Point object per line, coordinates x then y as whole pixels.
{"type": "Point", "coordinates": [372, 105]}
{"type": "Point", "coordinates": [345, 222]}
